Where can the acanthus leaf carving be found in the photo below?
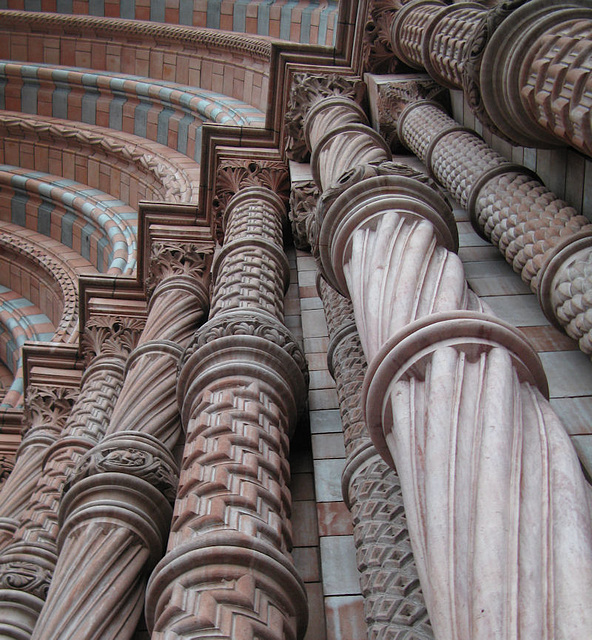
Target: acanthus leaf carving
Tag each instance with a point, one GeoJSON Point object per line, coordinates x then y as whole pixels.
{"type": "Point", "coordinates": [47, 409]}
{"type": "Point", "coordinates": [307, 90]}
{"type": "Point", "coordinates": [110, 336]}
{"type": "Point", "coordinates": [172, 259]}
{"type": "Point", "coordinates": [303, 201]}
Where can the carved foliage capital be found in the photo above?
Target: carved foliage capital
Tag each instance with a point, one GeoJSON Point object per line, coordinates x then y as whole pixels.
{"type": "Point", "coordinates": [236, 174]}
{"type": "Point", "coordinates": [173, 259]}
{"type": "Point", "coordinates": [394, 96]}
{"type": "Point", "coordinates": [307, 90]}
{"type": "Point", "coordinates": [248, 324]}
{"type": "Point", "coordinates": [132, 454]}
{"type": "Point", "coordinates": [6, 467]}
{"type": "Point", "coordinates": [47, 408]}
{"type": "Point", "coordinates": [303, 201]}
{"type": "Point", "coordinates": [111, 336]}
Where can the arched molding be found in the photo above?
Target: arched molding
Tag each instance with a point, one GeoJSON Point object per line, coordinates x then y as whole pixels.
{"type": "Point", "coordinates": [121, 164]}
{"type": "Point", "coordinates": [44, 272]}
{"type": "Point", "coordinates": [99, 227]}
{"type": "Point", "coordinates": [309, 21]}
{"type": "Point", "coordinates": [161, 111]}
{"type": "Point", "coordinates": [20, 320]}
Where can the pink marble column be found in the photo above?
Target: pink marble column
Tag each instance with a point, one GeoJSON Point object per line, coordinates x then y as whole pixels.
{"type": "Point", "coordinates": [227, 572]}
{"type": "Point", "coordinates": [496, 502]}
{"type": "Point", "coordinates": [115, 515]}
{"type": "Point", "coordinates": [524, 66]}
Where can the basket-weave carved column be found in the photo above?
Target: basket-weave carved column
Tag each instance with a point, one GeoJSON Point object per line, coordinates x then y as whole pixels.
{"type": "Point", "coordinates": [115, 515]}
{"type": "Point", "coordinates": [227, 572]}
{"type": "Point", "coordinates": [540, 235]}
{"type": "Point", "coordinates": [494, 495]}
{"type": "Point", "coordinates": [394, 606]}
{"type": "Point", "coordinates": [524, 65]}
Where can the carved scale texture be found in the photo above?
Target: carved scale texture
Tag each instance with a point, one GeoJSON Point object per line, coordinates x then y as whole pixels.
{"type": "Point", "coordinates": [556, 87]}
{"type": "Point", "coordinates": [525, 221]}
{"type": "Point", "coordinates": [572, 299]}
{"type": "Point", "coordinates": [421, 125]}
{"type": "Point", "coordinates": [393, 602]}
{"type": "Point", "coordinates": [477, 495]}
{"type": "Point", "coordinates": [458, 159]}
{"type": "Point", "coordinates": [235, 473]}
{"type": "Point", "coordinates": [112, 559]}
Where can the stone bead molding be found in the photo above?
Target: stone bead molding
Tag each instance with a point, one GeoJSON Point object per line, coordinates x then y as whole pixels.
{"type": "Point", "coordinates": [307, 90]}
{"type": "Point", "coordinates": [198, 38]}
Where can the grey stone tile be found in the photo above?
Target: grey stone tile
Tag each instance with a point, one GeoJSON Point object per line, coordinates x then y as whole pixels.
{"type": "Point", "coordinates": [569, 373]}
{"type": "Point", "coordinates": [328, 479]}
{"type": "Point", "coordinates": [328, 445]}
{"type": "Point", "coordinates": [519, 310]}
{"type": "Point", "coordinates": [313, 323]}
{"type": "Point", "coordinates": [325, 421]}
{"type": "Point", "coordinates": [338, 562]}
{"type": "Point", "coordinates": [575, 414]}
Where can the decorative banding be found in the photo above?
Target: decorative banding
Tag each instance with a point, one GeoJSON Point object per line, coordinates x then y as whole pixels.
{"type": "Point", "coordinates": [158, 347]}
{"type": "Point", "coordinates": [463, 330]}
{"type": "Point", "coordinates": [373, 196]}
{"type": "Point", "coordinates": [558, 257]}
{"type": "Point", "coordinates": [456, 128]}
{"type": "Point", "coordinates": [227, 555]}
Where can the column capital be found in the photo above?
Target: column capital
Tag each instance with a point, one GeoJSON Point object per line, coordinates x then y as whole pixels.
{"type": "Point", "coordinates": [110, 336]}
{"type": "Point", "coordinates": [46, 411]}
{"type": "Point", "coordinates": [307, 90]}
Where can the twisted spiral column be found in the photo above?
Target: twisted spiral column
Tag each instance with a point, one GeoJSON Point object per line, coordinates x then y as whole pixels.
{"type": "Point", "coordinates": [116, 512]}
{"type": "Point", "coordinates": [227, 572]}
{"type": "Point", "coordinates": [540, 235]}
{"type": "Point", "coordinates": [495, 499]}
{"type": "Point", "coordinates": [524, 66]}
{"type": "Point", "coordinates": [28, 562]}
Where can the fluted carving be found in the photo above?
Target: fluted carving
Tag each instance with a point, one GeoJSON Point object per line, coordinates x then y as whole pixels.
{"type": "Point", "coordinates": [27, 564]}
{"type": "Point", "coordinates": [227, 571]}
{"type": "Point", "coordinates": [130, 520]}
{"type": "Point", "coordinates": [536, 231]}
{"type": "Point", "coordinates": [455, 399]}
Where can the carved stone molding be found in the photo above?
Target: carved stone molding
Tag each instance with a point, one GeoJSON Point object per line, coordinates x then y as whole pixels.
{"type": "Point", "coordinates": [307, 90]}
{"type": "Point", "coordinates": [46, 411]}
{"type": "Point", "coordinates": [234, 175]}
{"type": "Point", "coordinates": [131, 453]}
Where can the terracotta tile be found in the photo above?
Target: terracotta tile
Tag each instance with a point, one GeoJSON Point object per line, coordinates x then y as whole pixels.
{"type": "Point", "coordinates": [304, 523]}
{"type": "Point", "coordinates": [307, 563]}
{"type": "Point", "coordinates": [345, 618]}
{"type": "Point", "coordinates": [334, 519]}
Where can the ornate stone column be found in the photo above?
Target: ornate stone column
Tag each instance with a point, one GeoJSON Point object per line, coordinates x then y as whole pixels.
{"type": "Point", "coordinates": [115, 515]}
{"type": "Point", "coordinates": [27, 564]}
{"type": "Point", "coordinates": [393, 602]}
{"type": "Point", "coordinates": [540, 235]}
{"type": "Point", "coordinates": [495, 499]}
{"type": "Point", "coordinates": [227, 572]}
{"type": "Point", "coordinates": [46, 411]}
{"type": "Point", "coordinates": [524, 66]}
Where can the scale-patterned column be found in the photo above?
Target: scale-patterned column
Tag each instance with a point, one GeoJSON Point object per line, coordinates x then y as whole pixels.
{"type": "Point", "coordinates": [227, 572]}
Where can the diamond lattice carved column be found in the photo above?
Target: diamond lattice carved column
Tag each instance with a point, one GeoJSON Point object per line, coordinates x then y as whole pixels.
{"type": "Point", "coordinates": [495, 498]}
{"type": "Point", "coordinates": [115, 515]}
{"type": "Point", "coordinates": [524, 66]}
{"type": "Point", "coordinates": [393, 602]}
{"type": "Point", "coordinates": [227, 572]}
